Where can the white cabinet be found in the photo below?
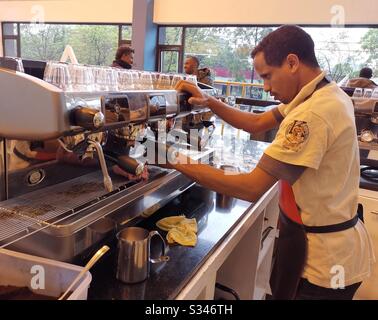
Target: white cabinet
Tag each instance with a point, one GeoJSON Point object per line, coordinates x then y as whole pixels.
{"type": "Point", "coordinates": [243, 260]}
{"type": "Point", "coordinates": [369, 200]}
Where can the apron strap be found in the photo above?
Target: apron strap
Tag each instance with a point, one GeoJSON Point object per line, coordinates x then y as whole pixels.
{"type": "Point", "coordinates": [333, 227]}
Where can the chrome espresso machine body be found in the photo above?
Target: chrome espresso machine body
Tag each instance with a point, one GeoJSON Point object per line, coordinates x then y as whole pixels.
{"type": "Point", "coordinates": [366, 116]}
{"type": "Point", "coordinates": [67, 175]}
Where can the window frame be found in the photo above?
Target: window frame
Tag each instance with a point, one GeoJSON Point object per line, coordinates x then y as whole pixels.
{"type": "Point", "coordinates": [170, 47]}
{"type": "Point", "coordinates": [11, 37]}
{"type": "Point", "coordinates": [18, 36]}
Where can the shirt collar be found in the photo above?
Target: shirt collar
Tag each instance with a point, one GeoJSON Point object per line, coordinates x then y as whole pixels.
{"type": "Point", "coordinates": [305, 92]}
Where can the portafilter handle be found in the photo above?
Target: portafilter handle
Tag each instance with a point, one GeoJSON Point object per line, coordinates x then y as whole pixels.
{"type": "Point", "coordinates": [107, 180]}
{"type": "Point", "coordinates": [126, 163]}
{"type": "Point", "coordinates": [130, 165]}
{"type": "Point", "coordinates": [87, 118]}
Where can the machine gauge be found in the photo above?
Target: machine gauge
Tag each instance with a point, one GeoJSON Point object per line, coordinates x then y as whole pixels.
{"type": "Point", "coordinates": [35, 177]}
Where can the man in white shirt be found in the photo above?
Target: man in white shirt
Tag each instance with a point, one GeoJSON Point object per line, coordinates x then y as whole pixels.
{"type": "Point", "coordinates": [323, 250]}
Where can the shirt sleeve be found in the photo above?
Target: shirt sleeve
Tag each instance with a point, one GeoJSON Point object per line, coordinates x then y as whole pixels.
{"type": "Point", "coordinates": [277, 114]}
{"type": "Point", "coordinates": [280, 170]}
{"type": "Point", "coordinates": [301, 141]}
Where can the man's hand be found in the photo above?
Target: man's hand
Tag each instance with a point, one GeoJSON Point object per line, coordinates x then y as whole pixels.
{"type": "Point", "coordinates": [247, 121]}
{"type": "Point", "coordinates": [198, 97]}
{"type": "Point", "coordinates": [131, 177]}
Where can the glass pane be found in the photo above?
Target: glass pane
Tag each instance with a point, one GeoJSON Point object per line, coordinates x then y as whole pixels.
{"type": "Point", "coordinates": [170, 35]}
{"type": "Point", "coordinates": [92, 44]}
{"type": "Point", "coordinates": [226, 51]}
{"type": "Point", "coordinates": [342, 52]}
{"type": "Point", "coordinates": [126, 33]}
{"type": "Point", "coordinates": [10, 29]}
{"type": "Point", "coordinates": [169, 61]}
{"type": "Point", "coordinates": [10, 49]}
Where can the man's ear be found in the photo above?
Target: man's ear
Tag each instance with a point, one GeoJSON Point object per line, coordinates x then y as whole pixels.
{"type": "Point", "coordinates": [293, 62]}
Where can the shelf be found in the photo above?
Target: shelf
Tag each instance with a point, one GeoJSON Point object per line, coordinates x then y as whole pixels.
{"type": "Point", "coordinates": [268, 243]}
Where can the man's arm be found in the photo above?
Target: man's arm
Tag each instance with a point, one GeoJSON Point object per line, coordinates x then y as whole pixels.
{"type": "Point", "coordinates": [249, 122]}
{"type": "Point", "coordinates": [248, 186]}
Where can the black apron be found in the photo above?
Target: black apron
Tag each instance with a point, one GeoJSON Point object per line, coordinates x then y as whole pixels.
{"type": "Point", "coordinates": [291, 247]}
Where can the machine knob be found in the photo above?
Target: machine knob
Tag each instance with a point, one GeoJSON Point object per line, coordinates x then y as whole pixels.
{"type": "Point", "coordinates": [87, 118]}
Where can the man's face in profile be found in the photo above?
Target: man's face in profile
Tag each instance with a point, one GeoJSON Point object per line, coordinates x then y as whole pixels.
{"type": "Point", "coordinates": [281, 82]}
{"type": "Point", "coordinates": [128, 58]}
{"type": "Point", "coordinates": [189, 66]}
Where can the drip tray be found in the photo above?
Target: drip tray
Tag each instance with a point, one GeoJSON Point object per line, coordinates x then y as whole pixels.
{"type": "Point", "coordinates": [54, 206]}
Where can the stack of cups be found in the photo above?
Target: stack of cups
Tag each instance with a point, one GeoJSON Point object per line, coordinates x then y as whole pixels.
{"type": "Point", "coordinates": [125, 80]}
{"type": "Point", "coordinates": [58, 75]}
{"type": "Point", "coordinates": [164, 82]}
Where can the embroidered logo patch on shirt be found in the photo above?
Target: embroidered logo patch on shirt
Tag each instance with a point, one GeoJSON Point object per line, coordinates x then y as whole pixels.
{"type": "Point", "coordinates": [295, 135]}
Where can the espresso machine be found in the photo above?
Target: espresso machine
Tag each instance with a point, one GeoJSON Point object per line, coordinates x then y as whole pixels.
{"type": "Point", "coordinates": [70, 175]}
{"type": "Point", "coordinates": [366, 116]}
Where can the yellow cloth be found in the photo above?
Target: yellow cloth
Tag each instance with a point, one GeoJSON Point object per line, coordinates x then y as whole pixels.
{"type": "Point", "coordinates": [168, 223]}
{"type": "Point", "coordinates": [180, 230]}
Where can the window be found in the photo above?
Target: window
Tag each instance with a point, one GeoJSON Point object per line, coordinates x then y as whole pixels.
{"type": "Point", "coordinates": [125, 35]}
{"type": "Point", "coordinates": [170, 49]}
{"type": "Point", "coordinates": [92, 43]}
{"type": "Point", "coordinates": [170, 36]}
{"type": "Point", "coordinates": [10, 29]}
{"type": "Point", "coordinates": [341, 52]}
{"type": "Point", "coordinates": [11, 43]}
{"type": "Point", "coordinates": [225, 50]}
{"type": "Point", "coordinates": [169, 61]}
{"type": "Point", "coordinates": [126, 32]}
{"type": "Point", "coordinates": [10, 47]}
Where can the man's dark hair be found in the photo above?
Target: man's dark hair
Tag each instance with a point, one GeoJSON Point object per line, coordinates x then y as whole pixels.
{"type": "Point", "coordinates": [123, 50]}
{"type": "Point", "coordinates": [285, 40]}
{"type": "Point", "coordinates": [366, 73]}
{"type": "Point", "coordinates": [195, 59]}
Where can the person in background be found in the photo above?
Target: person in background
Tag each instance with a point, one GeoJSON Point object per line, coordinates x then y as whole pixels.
{"type": "Point", "coordinates": [124, 57]}
{"type": "Point", "coordinates": [191, 66]}
{"type": "Point", "coordinates": [364, 80]}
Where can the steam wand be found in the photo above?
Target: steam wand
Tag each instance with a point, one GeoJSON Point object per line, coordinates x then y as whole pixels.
{"type": "Point", "coordinates": [107, 180]}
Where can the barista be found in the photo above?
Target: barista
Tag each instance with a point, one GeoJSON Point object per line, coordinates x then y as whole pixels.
{"type": "Point", "coordinates": [314, 157]}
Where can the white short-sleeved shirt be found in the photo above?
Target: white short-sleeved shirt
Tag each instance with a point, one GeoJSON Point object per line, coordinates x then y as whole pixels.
{"type": "Point", "coordinates": [318, 132]}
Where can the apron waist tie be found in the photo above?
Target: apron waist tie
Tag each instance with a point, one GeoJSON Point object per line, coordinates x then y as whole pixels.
{"type": "Point", "coordinates": [333, 227]}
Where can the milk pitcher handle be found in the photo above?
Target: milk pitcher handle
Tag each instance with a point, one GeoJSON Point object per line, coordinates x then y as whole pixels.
{"type": "Point", "coordinates": [163, 257]}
